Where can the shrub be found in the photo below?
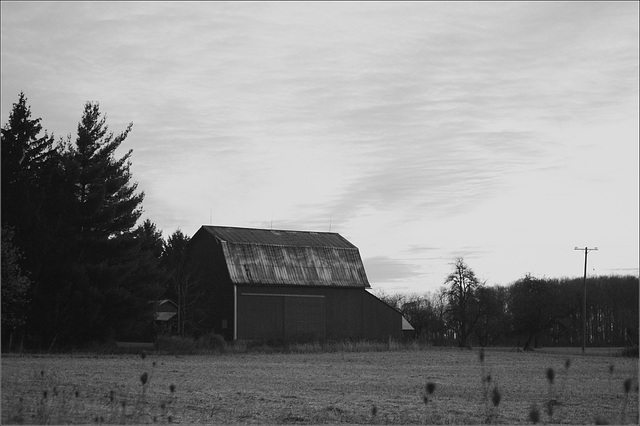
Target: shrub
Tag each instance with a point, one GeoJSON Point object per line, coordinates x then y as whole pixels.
{"type": "Point", "coordinates": [176, 345]}
{"type": "Point", "coordinates": [630, 352]}
{"type": "Point", "coordinates": [211, 342]}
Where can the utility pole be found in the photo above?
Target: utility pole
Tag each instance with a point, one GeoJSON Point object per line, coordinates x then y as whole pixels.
{"type": "Point", "coordinates": [584, 295]}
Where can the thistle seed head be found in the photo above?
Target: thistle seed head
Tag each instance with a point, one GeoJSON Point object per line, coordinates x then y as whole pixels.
{"type": "Point", "coordinates": [431, 387]}
{"type": "Point", "coordinates": [551, 375]}
{"type": "Point", "coordinates": [550, 408]}
{"type": "Point", "coordinates": [495, 397]}
{"type": "Point", "coordinates": [534, 414]}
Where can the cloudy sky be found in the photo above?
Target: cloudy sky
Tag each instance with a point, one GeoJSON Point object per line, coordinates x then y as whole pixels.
{"type": "Point", "coordinates": [505, 133]}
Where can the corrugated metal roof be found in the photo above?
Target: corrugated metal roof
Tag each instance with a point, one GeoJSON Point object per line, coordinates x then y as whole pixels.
{"type": "Point", "coordinates": [276, 257]}
{"type": "Point", "coordinates": [279, 237]}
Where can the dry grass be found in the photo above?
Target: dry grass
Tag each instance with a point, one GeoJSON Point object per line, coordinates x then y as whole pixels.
{"type": "Point", "coordinates": [339, 387]}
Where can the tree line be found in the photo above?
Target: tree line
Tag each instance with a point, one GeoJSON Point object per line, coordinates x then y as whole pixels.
{"type": "Point", "coordinates": [77, 266]}
{"type": "Point", "coordinates": [528, 313]}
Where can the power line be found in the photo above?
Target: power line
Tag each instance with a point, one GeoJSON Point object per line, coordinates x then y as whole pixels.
{"type": "Point", "coordinates": [584, 295]}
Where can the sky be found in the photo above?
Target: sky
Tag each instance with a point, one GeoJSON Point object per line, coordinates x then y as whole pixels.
{"type": "Point", "coordinates": [505, 133]}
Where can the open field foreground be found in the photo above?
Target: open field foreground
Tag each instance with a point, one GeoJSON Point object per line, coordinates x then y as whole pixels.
{"type": "Point", "coordinates": [321, 388]}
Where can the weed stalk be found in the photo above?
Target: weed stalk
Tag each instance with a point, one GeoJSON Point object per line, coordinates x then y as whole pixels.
{"type": "Point", "coordinates": [429, 389]}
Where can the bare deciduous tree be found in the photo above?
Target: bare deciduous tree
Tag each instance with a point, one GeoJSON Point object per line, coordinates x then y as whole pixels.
{"type": "Point", "coordinates": [464, 301]}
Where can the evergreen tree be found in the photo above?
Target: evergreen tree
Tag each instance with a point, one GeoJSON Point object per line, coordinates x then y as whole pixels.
{"type": "Point", "coordinates": [15, 287]}
{"type": "Point", "coordinates": [146, 281]}
{"type": "Point", "coordinates": [26, 155]}
{"type": "Point", "coordinates": [33, 207]}
{"type": "Point", "coordinates": [74, 208]}
{"type": "Point", "coordinates": [185, 286]}
{"type": "Point", "coordinates": [107, 202]}
{"type": "Point", "coordinates": [150, 238]}
{"type": "Point", "coordinates": [30, 170]}
{"type": "Point", "coordinates": [108, 295]}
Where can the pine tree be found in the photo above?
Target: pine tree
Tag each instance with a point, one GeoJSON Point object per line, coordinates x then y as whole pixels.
{"type": "Point", "coordinates": [145, 281]}
{"type": "Point", "coordinates": [183, 285]}
{"type": "Point", "coordinates": [107, 289]}
{"type": "Point", "coordinates": [107, 202]}
{"type": "Point", "coordinates": [33, 207]}
{"type": "Point", "coordinates": [15, 287]}
{"type": "Point", "coordinates": [30, 167]}
{"type": "Point", "coordinates": [74, 208]}
{"type": "Point", "coordinates": [26, 155]}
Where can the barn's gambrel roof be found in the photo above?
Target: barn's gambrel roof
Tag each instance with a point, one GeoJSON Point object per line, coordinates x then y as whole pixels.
{"type": "Point", "coordinates": [298, 258]}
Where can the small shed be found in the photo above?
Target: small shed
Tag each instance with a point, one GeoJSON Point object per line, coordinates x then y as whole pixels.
{"type": "Point", "coordinates": [166, 316]}
{"type": "Point", "coordinates": [407, 329]}
{"type": "Point", "coordinates": [281, 285]}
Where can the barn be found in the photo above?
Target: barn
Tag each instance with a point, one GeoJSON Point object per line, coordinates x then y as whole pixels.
{"type": "Point", "coordinates": [281, 286]}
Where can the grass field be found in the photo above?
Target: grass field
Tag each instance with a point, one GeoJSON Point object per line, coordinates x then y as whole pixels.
{"type": "Point", "coordinates": [344, 387]}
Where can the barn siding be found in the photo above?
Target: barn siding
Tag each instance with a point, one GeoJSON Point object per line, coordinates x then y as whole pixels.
{"type": "Point", "coordinates": [269, 314]}
{"type": "Point", "coordinates": [304, 318]}
{"type": "Point", "coordinates": [260, 317]}
{"type": "Point", "coordinates": [206, 258]}
{"type": "Point", "coordinates": [345, 315]}
{"type": "Point", "coordinates": [382, 320]}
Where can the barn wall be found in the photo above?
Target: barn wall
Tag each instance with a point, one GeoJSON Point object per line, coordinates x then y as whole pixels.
{"type": "Point", "coordinates": [384, 321]}
{"type": "Point", "coordinates": [345, 315]}
{"type": "Point", "coordinates": [279, 313]}
{"type": "Point", "coordinates": [216, 301]}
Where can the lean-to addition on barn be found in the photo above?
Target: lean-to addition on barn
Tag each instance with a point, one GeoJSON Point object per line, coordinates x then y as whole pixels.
{"type": "Point", "coordinates": [276, 285]}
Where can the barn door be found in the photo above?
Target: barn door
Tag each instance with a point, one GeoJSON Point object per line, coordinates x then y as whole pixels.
{"type": "Point", "coordinates": [304, 318]}
{"type": "Point", "coordinates": [290, 317]}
